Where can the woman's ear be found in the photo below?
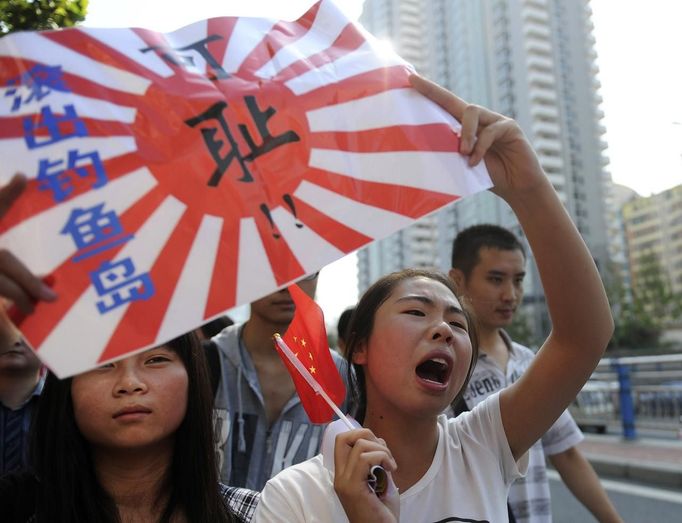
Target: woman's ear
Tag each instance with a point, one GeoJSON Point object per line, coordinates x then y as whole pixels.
{"type": "Point", "coordinates": [360, 354]}
{"type": "Point", "coordinates": [457, 276]}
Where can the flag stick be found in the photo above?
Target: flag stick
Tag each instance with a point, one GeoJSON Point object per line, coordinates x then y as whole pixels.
{"type": "Point", "coordinates": [378, 478]}
{"type": "Point", "coordinates": [309, 378]}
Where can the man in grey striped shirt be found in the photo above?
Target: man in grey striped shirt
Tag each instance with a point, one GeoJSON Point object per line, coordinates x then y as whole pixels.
{"type": "Point", "coordinates": [488, 266]}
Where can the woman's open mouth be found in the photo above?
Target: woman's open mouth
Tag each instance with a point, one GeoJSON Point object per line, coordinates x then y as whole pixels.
{"type": "Point", "coordinates": [434, 371]}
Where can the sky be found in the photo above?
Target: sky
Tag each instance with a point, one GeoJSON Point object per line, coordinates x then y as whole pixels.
{"type": "Point", "coordinates": [637, 46]}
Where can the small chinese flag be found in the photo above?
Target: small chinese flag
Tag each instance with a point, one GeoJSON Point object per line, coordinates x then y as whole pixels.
{"type": "Point", "coordinates": [307, 339]}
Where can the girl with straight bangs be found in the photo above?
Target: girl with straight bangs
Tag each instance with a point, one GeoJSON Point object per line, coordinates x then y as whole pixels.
{"type": "Point", "coordinates": [130, 441]}
{"type": "Point", "coordinates": [412, 349]}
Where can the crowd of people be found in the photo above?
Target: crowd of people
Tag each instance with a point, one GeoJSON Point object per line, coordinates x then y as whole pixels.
{"type": "Point", "coordinates": [459, 415]}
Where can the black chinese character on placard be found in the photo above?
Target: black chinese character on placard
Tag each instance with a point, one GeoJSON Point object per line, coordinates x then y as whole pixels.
{"type": "Point", "coordinates": [224, 148]}
{"type": "Point", "coordinates": [169, 54]}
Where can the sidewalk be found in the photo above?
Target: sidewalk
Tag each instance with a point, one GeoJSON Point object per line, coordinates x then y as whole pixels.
{"type": "Point", "coordinates": [648, 460]}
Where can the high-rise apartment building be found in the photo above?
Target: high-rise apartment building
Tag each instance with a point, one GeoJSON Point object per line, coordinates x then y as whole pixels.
{"type": "Point", "coordinates": [533, 60]}
{"type": "Point", "coordinates": [653, 225]}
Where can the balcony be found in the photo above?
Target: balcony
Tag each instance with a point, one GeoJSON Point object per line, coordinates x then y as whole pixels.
{"type": "Point", "coordinates": [532, 29]}
{"type": "Point", "coordinates": [544, 113]}
{"type": "Point", "coordinates": [542, 95]}
{"type": "Point", "coordinates": [541, 81]}
{"type": "Point", "coordinates": [544, 145]}
{"type": "Point", "coordinates": [534, 13]}
{"type": "Point", "coordinates": [545, 129]}
{"type": "Point", "coordinates": [552, 162]}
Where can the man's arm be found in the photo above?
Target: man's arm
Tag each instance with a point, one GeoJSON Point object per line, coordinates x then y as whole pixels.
{"type": "Point", "coordinates": [581, 479]}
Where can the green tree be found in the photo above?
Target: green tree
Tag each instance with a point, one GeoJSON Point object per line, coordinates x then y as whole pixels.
{"type": "Point", "coordinates": [641, 316]}
{"type": "Point", "coordinates": [26, 15]}
{"type": "Point", "coordinates": [520, 330]}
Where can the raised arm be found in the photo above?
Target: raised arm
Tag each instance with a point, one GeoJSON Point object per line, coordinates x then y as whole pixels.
{"type": "Point", "coordinates": [580, 313]}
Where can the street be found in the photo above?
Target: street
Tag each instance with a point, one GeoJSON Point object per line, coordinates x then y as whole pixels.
{"type": "Point", "coordinates": [635, 503]}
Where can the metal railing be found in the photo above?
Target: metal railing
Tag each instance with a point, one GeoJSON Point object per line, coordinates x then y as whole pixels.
{"type": "Point", "coordinates": [633, 393]}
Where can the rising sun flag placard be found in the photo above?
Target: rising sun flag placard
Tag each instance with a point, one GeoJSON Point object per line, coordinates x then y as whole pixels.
{"type": "Point", "coordinates": [174, 176]}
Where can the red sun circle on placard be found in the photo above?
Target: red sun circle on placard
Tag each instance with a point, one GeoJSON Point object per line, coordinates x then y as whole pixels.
{"type": "Point", "coordinates": [172, 136]}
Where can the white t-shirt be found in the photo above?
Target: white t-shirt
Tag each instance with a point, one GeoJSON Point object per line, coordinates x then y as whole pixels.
{"type": "Point", "coordinates": [468, 479]}
{"type": "Point", "coordinates": [529, 497]}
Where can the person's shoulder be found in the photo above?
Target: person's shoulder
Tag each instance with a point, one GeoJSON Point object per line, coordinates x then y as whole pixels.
{"type": "Point", "coordinates": [307, 473]}
{"type": "Point", "coordinates": [521, 351]}
{"type": "Point", "coordinates": [228, 338]}
{"type": "Point", "coordinates": [240, 502]}
{"type": "Point", "coordinates": [482, 410]}
{"type": "Point", "coordinates": [337, 357]}
{"type": "Point", "coordinates": [18, 497]}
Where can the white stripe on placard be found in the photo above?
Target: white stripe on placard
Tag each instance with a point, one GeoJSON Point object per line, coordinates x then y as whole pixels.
{"type": "Point", "coordinates": [67, 355]}
{"type": "Point", "coordinates": [246, 35]}
{"type": "Point", "coordinates": [310, 249]}
{"type": "Point", "coordinates": [17, 158]}
{"type": "Point", "coordinates": [362, 60]}
{"type": "Point", "coordinates": [185, 311]}
{"type": "Point", "coordinates": [394, 107]}
{"type": "Point", "coordinates": [85, 107]}
{"type": "Point", "coordinates": [327, 26]}
{"type": "Point", "coordinates": [446, 173]}
{"type": "Point", "coordinates": [254, 272]}
{"type": "Point", "coordinates": [129, 43]}
{"type": "Point", "coordinates": [368, 220]}
{"type": "Point", "coordinates": [38, 242]}
{"type": "Point", "coordinates": [34, 46]}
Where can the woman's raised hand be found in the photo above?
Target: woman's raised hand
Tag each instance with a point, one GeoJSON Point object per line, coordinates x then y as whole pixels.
{"type": "Point", "coordinates": [355, 453]}
{"type": "Point", "coordinates": [509, 157]}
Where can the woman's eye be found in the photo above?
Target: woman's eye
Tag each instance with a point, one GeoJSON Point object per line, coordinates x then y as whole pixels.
{"type": "Point", "coordinates": [157, 359]}
{"type": "Point", "coordinates": [458, 324]}
{"type": "Point", "coordinates": [414, 312]}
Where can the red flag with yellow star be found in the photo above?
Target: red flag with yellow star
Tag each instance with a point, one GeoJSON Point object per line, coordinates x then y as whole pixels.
{"type": "Point", "coordinates": [307, 339]}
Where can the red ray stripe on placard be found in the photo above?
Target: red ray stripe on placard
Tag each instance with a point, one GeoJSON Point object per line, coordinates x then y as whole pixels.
{"type": "Point", "coordinates": [76, 275]}
{"type": "Point", "coordinates": [223, 292]}
{"type": "Point", "coordinates": [71, 281]}
{"type": "Point", "coordinates": [284, 264]}
{"type": "Point", "coordinates": [140, 324]}
{"type": "Point", "coordinates": [358, 86]}
{"type": "Point", "coordinates": [408, 201]}
{"type": "Point", "coordinates": [13, 127]}
{"type": "Point", "coordinates": [75, 84]}
{"type": "Point", "coordinates": [13, 66]}
{"type": "Point", "coordinates": [223, 26]}
{"type": "Point", "coordinates": [339, 235]}
{"type": "Point", "coordinates": [82, 43]}
{"type": "Point", "coordinates": [428, 137]}
{"type": "Point", "coordinates": [280, 35]}
{"type": "Point", "coordinates": [349, 40]}
{"type": "Point", "coordinates": [43, 200]}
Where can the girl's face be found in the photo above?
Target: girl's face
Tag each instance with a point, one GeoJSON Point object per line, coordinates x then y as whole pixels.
{"type": "Point", "coordinates": [418, 354]}
{"type": "Point", "coordinates": [134, 403]}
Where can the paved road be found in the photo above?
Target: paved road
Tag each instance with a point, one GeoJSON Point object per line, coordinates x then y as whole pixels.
{"type": "Point", "coordinates": [635, 503]}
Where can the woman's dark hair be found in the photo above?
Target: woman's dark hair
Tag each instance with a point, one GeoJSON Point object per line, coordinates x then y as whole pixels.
{"type": "Point", "coordinates": [362, 323]}
{"type": "Point", "coordinates": [68, 489]}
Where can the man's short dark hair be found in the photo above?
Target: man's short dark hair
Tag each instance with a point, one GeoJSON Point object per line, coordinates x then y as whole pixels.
{"type": "Point", "coordinates": [468, 243]}
{"type": "Point", "coordinates": [215, 326]}
{"type": "Point", "coordinates": [342, 325]}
